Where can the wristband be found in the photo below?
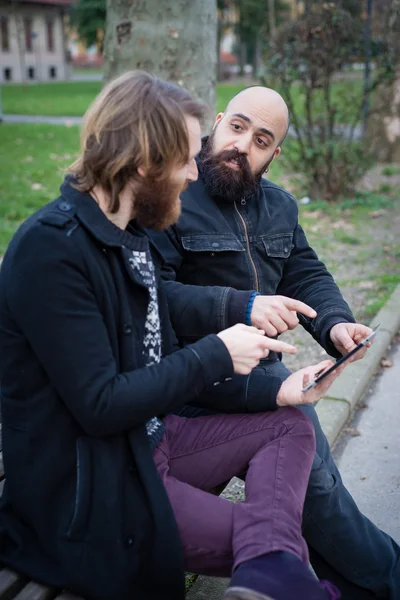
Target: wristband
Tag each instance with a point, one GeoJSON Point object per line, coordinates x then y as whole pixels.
{"type": "Point", "coordinates": [247, 318]}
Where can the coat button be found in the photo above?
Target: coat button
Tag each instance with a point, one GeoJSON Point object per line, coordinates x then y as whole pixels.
{"type": "Point", "coordinates": [127, 329]}
{"type": "Point", "coordinates": [215, 244]}
{"type": "Point", "coordinates": [129, 542]}
{"type": "Point", "coordinates": [212, 253]}
{"type": "Point", "coordinates": [64, 206]}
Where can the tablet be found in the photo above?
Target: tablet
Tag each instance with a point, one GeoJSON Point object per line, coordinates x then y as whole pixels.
{"type": "Point", "coordinates": [340, 361]}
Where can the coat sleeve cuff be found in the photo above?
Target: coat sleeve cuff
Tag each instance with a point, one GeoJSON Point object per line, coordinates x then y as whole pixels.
{"type": "Point", "coordinates": [237, 303]}
{"type": "Point", "coordinates": [325, 336]}
{"type": "Point", "coordinates": [262, 391]}
{"type": "Point", "coordinates": [215, 359]}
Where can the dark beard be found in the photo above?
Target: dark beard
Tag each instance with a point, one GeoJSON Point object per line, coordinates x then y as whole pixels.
{"type": "Point", "coordinates": [156, 205]}
{"type": "Point", "coordinates": [223, 181]}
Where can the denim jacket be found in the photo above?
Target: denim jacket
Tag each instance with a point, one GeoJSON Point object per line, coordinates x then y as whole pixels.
{"type": "Point", "coordinates": [254, 244]}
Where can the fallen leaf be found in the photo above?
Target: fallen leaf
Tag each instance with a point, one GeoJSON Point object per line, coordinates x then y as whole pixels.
{"type": "Point", "coordinates": [386, 248]}
{"type": "Point", "coordinates": [36, 186]}
{"type": "Point", "coordinates": [385, 362]}
{"type": "Point", "coordinates": [377, 213]}
{"type": "Point", "coordinates": [28, 159]}
{"type": "Point", "coordinates": [363, 478]}
{"type": "Point", "coordinates": [351, 431]}
{"type": "Point", "coordinates": [362, 405]}
{"type": "Point", "coordinates": [366, 285]}
{"type": "Point", "coordinates": [312, 214]}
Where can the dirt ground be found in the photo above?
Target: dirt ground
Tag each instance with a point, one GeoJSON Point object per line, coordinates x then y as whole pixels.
{"type": "Point", "coordinates": [361, 250]}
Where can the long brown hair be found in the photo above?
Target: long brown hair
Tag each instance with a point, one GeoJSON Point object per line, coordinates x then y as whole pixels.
{"type": "Point", "coordinates": [136, 121]}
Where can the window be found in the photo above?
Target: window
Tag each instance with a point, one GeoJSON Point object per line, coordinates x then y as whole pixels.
{"type": "Point", "coordinates": [31, 73]}
{"type": "Point", "coordinates": [7, 74]}
{"type": "Point", "coordinates": [52, 72]}
{"type": "Point", "coordinates": [50, 35]}
{"type": "Point", "coordinates": [28, 34]}
{"type": "Point", "coordinates": [5, 34]}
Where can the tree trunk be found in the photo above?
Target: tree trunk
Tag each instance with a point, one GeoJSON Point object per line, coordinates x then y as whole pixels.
{"type": "Point", "coordinates": [271, 17]}
{"type": "Point", "coordinates": [383, 128]}
{"type": "Point", "coordinates": [257, 55]}
{"type": "Point", "coordinates": [176, 41]}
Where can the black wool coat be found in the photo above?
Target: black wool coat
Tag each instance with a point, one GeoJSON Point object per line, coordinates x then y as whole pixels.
{"type": "Point", "coordinates": [83, 506]}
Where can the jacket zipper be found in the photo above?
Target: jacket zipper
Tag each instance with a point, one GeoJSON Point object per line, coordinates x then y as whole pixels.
{"type": "Point", "coordinates": [243, 202]}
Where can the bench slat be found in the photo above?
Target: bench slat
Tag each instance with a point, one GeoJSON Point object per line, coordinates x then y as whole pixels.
{"type": "Point", "coordinates": [10, 584]}
{"type": "Point", "coordinates": [35, 591]}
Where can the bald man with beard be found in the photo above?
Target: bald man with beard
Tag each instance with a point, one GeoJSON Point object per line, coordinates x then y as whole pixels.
{"type": "Point", "coordinates": [239, 231]}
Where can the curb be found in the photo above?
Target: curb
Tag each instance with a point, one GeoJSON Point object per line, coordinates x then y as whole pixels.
{"type": "Point", "coordinates": [334, 410]}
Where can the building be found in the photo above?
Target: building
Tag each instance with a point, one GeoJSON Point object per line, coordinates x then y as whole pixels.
{"type": "Point", "coordinates": [32, 41]}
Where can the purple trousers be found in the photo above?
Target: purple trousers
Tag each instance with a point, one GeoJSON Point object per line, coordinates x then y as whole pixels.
{"type": "Point", "coordinates": [276, 450]}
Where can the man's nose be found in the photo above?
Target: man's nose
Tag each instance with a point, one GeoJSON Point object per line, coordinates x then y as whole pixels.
{"type": "Point", "coordinates": [242, 144]}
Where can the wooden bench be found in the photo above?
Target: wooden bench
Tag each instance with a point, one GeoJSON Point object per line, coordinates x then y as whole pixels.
{"type": "Point", "coordinates": [17, 587]}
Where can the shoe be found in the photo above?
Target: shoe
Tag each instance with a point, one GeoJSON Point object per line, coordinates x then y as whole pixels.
{"type": "Point", "coordinates": [241, 593]}
{"type": "Point", "coordinates": [278, 576]}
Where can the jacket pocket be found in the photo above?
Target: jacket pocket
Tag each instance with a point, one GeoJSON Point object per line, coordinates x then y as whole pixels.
{"type": "Point", "coordinates": [211, 243]}
{"type": "Point", "coordinates": [78, 526]}
{"type": "Point", "coordinates": [279, 245]}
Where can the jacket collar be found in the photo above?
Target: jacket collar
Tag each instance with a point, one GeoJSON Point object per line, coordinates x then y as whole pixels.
{"type": "Point", "coordinates": [89, 214]}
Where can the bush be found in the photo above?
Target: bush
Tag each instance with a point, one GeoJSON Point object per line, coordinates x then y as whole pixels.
{"type": "Point", "coordinates": [303, 62]}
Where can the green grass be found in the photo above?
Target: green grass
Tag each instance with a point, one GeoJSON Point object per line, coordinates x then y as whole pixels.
{"type": "Point", "coordinates": [345, 238]}
{"type": "Point", "coordinates": [32, 159]}
{"type": "Point", "coordinates": [55, 99]}
{"type": "Point", "coordinates": [388, 171]}
{"type": "Point", "coordinates": [71, 98]}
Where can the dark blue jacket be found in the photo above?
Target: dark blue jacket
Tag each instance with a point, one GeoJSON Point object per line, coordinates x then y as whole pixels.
{"type": "Point", "coordinates": [83, 505]}
{"type": "Point", "coordinates": [255, 244]}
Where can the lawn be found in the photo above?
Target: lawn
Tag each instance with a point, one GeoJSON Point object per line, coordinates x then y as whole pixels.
{"type": "Point", "coordinates": [73, 98]}
{"type": "Point", "coordinates": [32, 159]}
{"type": "Point", "coordinates": [70, 98]}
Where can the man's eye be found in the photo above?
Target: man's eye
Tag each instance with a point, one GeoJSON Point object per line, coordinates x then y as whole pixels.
{"type": "Point", "coordinates": [261, 142]}
{"type": "Point", "coordinates": [236, 127]}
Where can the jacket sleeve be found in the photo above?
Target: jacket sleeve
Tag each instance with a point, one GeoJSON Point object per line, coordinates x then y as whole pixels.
{"type": "Point", "coordinates": [252, 393]}
{"type": "Point", "coordinates": [195, 310]}
{"type": "Point", "coordinates": [306, 278]}
{"type": "Point", "coordinates": [53, 303]}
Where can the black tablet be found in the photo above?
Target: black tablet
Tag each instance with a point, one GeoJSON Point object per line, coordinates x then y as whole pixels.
{"type": "Point", "coordinates": [340, 361]}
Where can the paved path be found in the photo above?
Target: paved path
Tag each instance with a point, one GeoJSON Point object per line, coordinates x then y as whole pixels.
{"type": "Point", "coordinates": [7, 118]}
{"type": "Point", "coordinates": [369, 462]}
{"type": "Point", "coordinates": [42, 119]}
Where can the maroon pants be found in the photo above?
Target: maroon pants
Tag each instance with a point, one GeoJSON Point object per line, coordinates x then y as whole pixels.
{"type": "Point", "coordinates": [276, 449]}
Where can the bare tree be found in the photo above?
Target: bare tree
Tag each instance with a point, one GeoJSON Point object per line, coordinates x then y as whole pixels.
{"type": "Point", "coordinates": [176, 41]}
{"type": "Point", "coordinates": [384, 122]}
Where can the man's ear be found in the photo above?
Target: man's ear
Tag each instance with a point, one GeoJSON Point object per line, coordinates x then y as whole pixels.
{"type": "Point", "coordinates": [277, 152]}
{"type": "Point", "coordinates": [217, 119]}
{"type": "Point", "coordinates": [141, 171]}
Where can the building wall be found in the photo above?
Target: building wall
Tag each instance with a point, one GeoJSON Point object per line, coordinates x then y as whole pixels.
{"type": "Point", "coordinates": [40, 63]}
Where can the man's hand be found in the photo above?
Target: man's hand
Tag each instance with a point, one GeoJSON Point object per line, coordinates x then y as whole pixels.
{"type": "Point", "coordinates": [290, 393]}
{"type": "Point", "coordinates": [276, 314]}
{"type": "Point", "coordinates": [248, 345]}
{"type": "Point", "coordinates": [346, 336]}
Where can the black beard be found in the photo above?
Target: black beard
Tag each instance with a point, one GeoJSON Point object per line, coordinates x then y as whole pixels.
{"type": "Point", "coordinates": [223, 181]}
